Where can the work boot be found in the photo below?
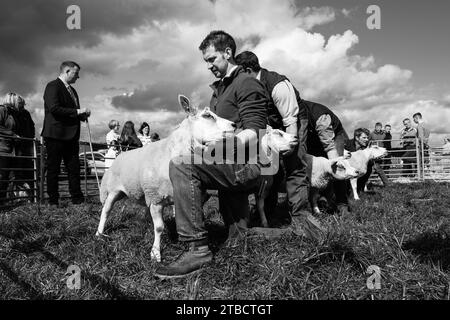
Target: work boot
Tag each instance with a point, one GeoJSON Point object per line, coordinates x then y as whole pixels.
{"type": "Point", "coordinates": [308, 226]}
{"type": "Point", "coordinates": [236, 235]}
{"type": "Point", "coordinates": [187, 263]}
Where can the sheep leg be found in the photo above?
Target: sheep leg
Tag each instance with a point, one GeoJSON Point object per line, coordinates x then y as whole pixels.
{"type": "Point", "coordinates": [156, 211]}
{"type": "Point", "coordinates": [262, 213]}
{"type": "Point", "coordinates": [107, 206]}
{"type": "Point", "coordinates": [313, 199]}
{"type": "Point", "coordinates": [354, 183]}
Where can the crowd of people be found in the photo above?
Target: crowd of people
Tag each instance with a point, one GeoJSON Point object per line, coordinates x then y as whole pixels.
{"type": "Point", "coordinates": [127, 139]}
{"type": "Point", "coordinates": [245, 93]}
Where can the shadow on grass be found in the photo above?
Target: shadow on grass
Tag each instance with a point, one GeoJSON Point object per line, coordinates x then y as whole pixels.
{"type": "Point", "coordinates": [431, 247]}
{"type": "Point", "coordinates": [30, 247]}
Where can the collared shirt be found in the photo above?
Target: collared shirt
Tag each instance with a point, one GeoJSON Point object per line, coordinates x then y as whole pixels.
{"type": "Point", "coordinates": [283, 95]}
{"type": "Point", "coordinates": [69, 89]}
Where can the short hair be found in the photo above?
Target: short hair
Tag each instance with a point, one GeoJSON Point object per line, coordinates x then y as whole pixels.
{"type": "Point", "coordinates": [418, 114]}
{"type": "Point", "coordinates": [220, 40]}
{"type": "Point", "coordinates": [12, 100]}
{"type": "Point", "coordinates": [70, 64]}
{"type": "Point", "coordinates": [388, 125]}
{"type": "Point", "coordinates": [406, 119]}
{"type": "Point", "coordinates": [248, 59]}
{"type": "Point", "coordinates": [378, 124]}
{"type": "Point", "coordinates": [143, 125]}
{"type": "Point", "coordinates": [112, 124]}
{"type": "Point", "coordinates": [358, 132]}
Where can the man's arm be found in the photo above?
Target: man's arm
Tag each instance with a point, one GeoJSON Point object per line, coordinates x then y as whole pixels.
{"type": "Point", "coordinates": [252, 104]}
{"type": "Point", "coordinates": [283, 96]}
{"type": "Point", "coordinates": [326, 135]}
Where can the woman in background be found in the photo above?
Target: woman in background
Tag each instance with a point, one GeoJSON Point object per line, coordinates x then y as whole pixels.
{"type": "Point", "coordinates": [8, 128]}
{"type": "Point", "coordinates": [144, 133]}
{"type": "Point", "coordinates": [112, 143]}
{"type": "Point", "coordinates": [128, 138]}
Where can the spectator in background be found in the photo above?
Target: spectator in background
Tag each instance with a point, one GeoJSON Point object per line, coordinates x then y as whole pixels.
{"type": "Point", "coordinates": [144, 133]}
{"type": "Point", "coordinates": [388, 145]}
{"type": "Point", "coordinates": [408, 143]}
{"type": "Point", "coordinates": [387, 137]}
{"type": "Point", "coordinates": [154, 137]}
{"type": "Point", "coordinates": [8, 128]}
{"type": "Point", "coordinates": [128, 138]}
{"type": "Point", "coordinates": [378, 135]}
{"type": "Point", "coordinates": [423, 134]}
{"type": "Point", "coordinates": [61, 131]}
{"type": "Point", "coordinates": [25, 129]}
{"type": "Point", "coordinates": [112, 143]}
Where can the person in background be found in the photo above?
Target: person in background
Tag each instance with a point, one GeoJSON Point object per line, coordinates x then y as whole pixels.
{"type": "Point", "coordinates": [112, 143]}
{"type": "Point", "coordinates": [144, 133]}
{"type": "Point", "coordinates": [408, 143]}
{"type": "Point", "coordinates": [423, 134]}
{"type": "Point", "coordinates": [61, 131]}
{"type": "Point", "coordinates": [8, 130]}
{"type": "Point", "coordinates": [25, 129]}
{"type": "Point", "coordinates": [154, 137]}
{"type": "Point", "coordinates": [388, 145]}
{"type": "Point", "coordinates": [128, 137]}
{"type": "Point", "coordinates": [378, 135]}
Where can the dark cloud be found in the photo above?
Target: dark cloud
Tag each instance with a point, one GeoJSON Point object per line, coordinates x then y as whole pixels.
{"type": "Point", "coordinates": [159, 96]}
{"type": "Point", "coordinates": [30, 29]}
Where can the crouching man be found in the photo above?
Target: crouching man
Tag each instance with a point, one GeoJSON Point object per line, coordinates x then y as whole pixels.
{"type": "Point", "coordinates": [327, 138]}
{"type": "Point", "coordinates": [238, 98]}
{"type": "Point", "coordinates": [286, 112]}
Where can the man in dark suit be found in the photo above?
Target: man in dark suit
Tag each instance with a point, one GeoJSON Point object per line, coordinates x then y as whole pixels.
{"type": "Point", "coordinates": [61, 131]}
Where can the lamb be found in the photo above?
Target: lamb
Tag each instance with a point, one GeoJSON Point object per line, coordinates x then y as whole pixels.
{"type": "Point", "coordinates": [360, 159]}
{"type": "Point", "coordinates": [143, 174]}
{"type": "Point", "coordinates": [322, 169]}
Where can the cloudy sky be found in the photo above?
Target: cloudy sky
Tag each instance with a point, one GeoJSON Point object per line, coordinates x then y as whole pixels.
{"type": "Point", "coordinates": [138, 55]}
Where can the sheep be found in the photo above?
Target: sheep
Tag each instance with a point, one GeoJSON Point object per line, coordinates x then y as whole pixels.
{"type": "Point", "coordinates": [322, 169]}
{"type": "Point", "coordinates": [359, 160]}
{"type": "Point", "coordinates": [143, 174]}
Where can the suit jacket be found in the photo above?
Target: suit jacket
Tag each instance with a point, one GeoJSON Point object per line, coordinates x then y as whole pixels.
{"type": "Point", "coordinates": [61, 120]}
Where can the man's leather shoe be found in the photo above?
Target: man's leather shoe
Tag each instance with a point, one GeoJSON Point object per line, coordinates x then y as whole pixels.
{"type": "Point", "coordinates": [187, 263]}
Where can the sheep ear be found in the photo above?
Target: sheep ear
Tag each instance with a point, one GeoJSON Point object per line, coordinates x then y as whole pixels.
{"type": "Point", "coordinates": [186, 105]}
{"type": "Point", "coordinates": [268, 128]}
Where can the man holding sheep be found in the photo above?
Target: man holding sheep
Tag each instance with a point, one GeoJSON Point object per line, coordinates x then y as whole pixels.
{"type": "Point", "coordinates": [241, 99]}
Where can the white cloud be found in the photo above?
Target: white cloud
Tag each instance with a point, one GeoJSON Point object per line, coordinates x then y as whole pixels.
{"type": "Point", "coordinates": [166, 52]}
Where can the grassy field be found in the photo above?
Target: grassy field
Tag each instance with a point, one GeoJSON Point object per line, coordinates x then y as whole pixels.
{"type": "Point", "coordinates": [403, 229]}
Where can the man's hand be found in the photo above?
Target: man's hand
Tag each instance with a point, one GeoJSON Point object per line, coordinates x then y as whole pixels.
{"type": "Point", "coordinates": [83, 114]}
{"type": "Point", "coordinates": [292, 145]}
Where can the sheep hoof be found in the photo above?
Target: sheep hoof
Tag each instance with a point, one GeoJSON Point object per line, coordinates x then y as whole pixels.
{"type": "Point", "coordinates": [155, 255]}
{"type": "Point", "coordinates": [101, 235]}
{"type": "Point", "coordinates": [265, 224]}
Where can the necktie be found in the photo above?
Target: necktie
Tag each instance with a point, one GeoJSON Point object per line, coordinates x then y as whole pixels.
{"type": "Point", "coordinates": [72, 94]}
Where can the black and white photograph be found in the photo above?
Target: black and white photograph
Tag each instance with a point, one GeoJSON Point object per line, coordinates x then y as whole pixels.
{"type": "Point", "coordinates": [226, 156]}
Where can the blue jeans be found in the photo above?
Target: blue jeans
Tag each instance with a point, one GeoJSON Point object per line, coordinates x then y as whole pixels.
{"type": "Point", "coordinates": [190, 181]}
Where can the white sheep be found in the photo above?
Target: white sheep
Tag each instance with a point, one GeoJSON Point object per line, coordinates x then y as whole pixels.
{"type": "Point", "coordinates": [143, 174]}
